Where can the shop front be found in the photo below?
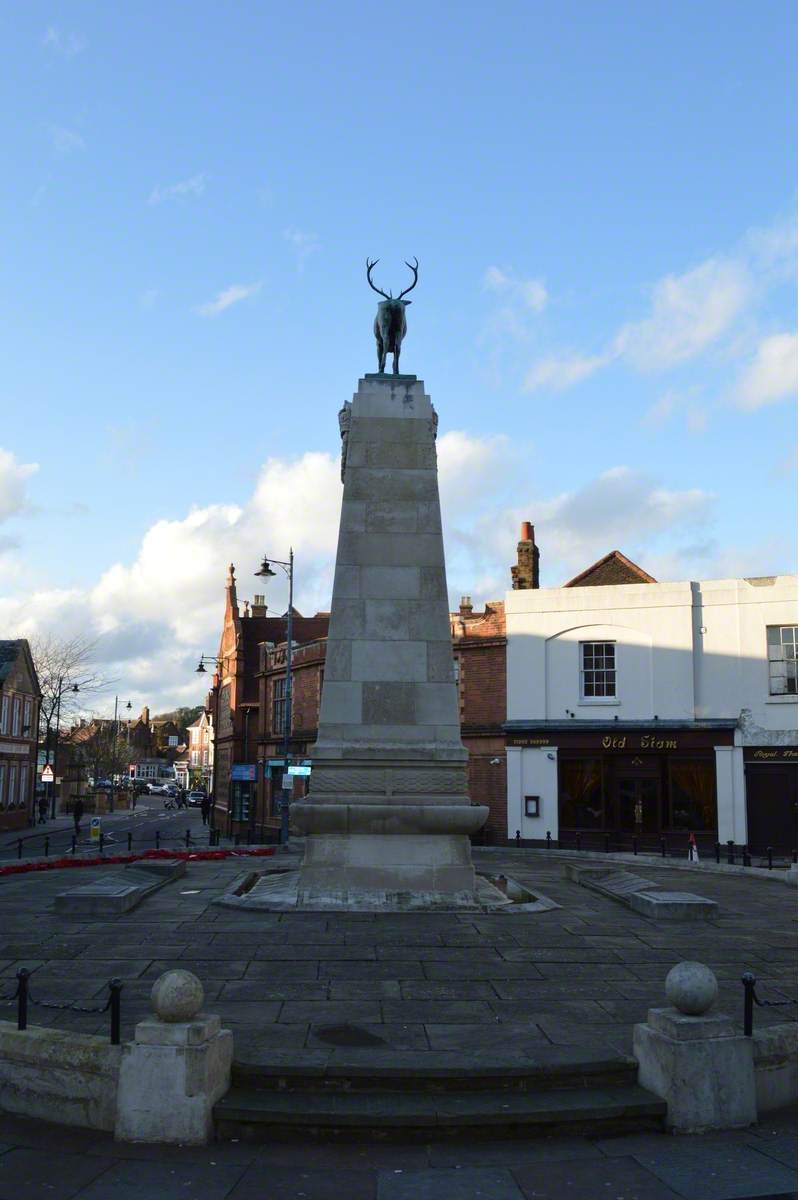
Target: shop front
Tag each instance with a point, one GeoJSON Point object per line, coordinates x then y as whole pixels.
{"type": "Point", "coordinates": [771, 793]}
{"type": "Point", "coordinates": [630, 786]}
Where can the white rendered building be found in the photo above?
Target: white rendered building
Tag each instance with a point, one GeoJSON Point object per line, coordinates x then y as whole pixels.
{"type": "Point", "coordinates": [642, 710]}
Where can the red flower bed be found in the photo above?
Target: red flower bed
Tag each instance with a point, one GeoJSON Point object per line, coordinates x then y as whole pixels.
{"type": "Point", "coordinates": [57, 864]}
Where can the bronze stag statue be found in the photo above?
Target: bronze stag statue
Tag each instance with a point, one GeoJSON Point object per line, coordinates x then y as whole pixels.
{"type": "Point", "coordinates": [390, 324]}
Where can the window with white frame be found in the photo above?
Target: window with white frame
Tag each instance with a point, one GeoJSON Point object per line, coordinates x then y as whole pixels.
{"type": "Point", "coordinates": [4, 715]}
{"type": "Point", "coordinates": [16, 720]}
{"type": "Point", "coordinates": [12, 786]}
{"type": "Point", "coordinates": [26, 721]}
{"type": "Point", "coordinates": [2, 786]}
{"type": "Point", "coordinates": [783, 659]}
{"type": "Point", "coordinates": [597, 670]}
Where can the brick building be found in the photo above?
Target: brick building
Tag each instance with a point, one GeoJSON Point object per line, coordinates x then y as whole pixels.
{"type": "Point", "coordinates": [234, 701]}
{"type": "Point", "coordinates": [19, 723]}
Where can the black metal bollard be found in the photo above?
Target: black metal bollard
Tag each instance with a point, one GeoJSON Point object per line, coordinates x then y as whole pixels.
{"type": "Point", "coordinates": [663, 847]}
{"type": "Point", "coordinates": [102, 841]}
{"type": "Point", "coordinates": [730, 844]}
{"type": "Point", "coordinates": [237, 841]}
{"type": "Point", "coordinates": [19, 847]}
{"type": "Point", "coordinates": [129, 841]}
{"type": "Point", "coordinates": [717, 852]}
{"type": "Point", "coordinates": [518, 839]}
{"type": "Point", "coordinates": [74, 843]}
{"type": "Point", "coordinates": [188, 838]}
{"type": "Point", "coordinates": [548, 839]}
{"type": "Point", "coordinates": [115, 1005]}
{"type": "Point", "coordinates": [23, 975]}
{"type": "Point", "coordinates": [579, 841]}
{"type": "Point", "coordinates": [770, 858]}
{"type": "Point", "coordinates": [157, 839]}
{"type": "Point", "coordinates": [634, 845]}
{"type": "Point", "coordinates": [46, 847]}
{"type": "Point", "coordinates": [746, 856]}
{"type": "Point", "coordinates": [749, 984]}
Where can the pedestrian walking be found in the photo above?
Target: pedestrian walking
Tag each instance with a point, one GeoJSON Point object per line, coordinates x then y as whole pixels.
{"type": "Point", "coordinates": [77, 814]}
{"type": "Point", "coordinates": [206, 809]}
{"type": "Point", "coordinates": [42, 810]}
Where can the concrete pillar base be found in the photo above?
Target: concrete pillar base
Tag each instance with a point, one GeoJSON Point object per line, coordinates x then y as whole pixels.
{"type": "Point", "coordinates": [701, 1065]}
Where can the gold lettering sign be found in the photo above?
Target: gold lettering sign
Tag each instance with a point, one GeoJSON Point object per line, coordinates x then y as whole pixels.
{"type": "Point", "coordinates": [649, 742]}
{"type": "Point", "coordinates": [613, 743]}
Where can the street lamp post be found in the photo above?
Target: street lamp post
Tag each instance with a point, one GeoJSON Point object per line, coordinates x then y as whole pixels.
{"type": "Point", "coordinates": [266, 572]}
{"type": "Point", "coordinates": [218, 663]}
{"type": "Point", "coordinates": [61, 689]}
{"type": "Point", "coordinates": [116, 740]}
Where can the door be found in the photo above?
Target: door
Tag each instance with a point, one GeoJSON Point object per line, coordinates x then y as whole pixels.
{"type": "Point", "coordinates": [771, 796]}
{"type": "Point", "coordinates": [637, 798]}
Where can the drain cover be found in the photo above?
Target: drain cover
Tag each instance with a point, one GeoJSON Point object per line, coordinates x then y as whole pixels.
{"type": "Point", "coordinates": [348, 1035]}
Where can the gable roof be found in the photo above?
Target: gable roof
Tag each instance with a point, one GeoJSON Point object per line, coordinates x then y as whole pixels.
{"type": "Point", "coordinates": [613, 568]}
{"type": "Point", "coordinates": [11, 650]}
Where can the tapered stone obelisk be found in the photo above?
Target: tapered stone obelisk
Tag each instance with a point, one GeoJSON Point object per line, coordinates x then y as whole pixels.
{"type": "Point", "coordinates": [388, 816]}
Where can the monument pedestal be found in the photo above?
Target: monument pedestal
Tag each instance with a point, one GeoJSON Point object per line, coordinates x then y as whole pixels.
{"type": "Point", "coordinates": [388, 814]}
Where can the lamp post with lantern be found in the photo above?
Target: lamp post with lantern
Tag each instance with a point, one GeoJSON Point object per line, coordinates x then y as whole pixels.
{"type": "Point", "coordinates": [266, 572]}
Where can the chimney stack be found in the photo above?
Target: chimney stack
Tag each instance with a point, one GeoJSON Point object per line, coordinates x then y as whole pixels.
{"type": "Point", "coordinates": [259, 606]}
{"type": "Point", "coordinates": [466, 607]}
{"type": "Point", "coordinates": [526, 572]}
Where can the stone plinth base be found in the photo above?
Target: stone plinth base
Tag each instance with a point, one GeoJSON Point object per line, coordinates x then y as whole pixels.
{"type": "Point", "coordinates": [701, 1066]}
{"type": "Point", "coordinates": [392, 864]}
{"type": "Point", "coordinates": [171, 1076]}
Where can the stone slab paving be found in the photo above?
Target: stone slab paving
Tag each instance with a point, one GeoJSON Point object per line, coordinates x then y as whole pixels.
{"type": "Point", "coordinates": [39, 1160]}
{"type": "Point", "coordinates": [579, 975]}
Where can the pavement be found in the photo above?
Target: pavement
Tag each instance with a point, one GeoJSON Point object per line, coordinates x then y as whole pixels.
{"type": "Point", "coordinates": [455, 984]}
{"type": "Point", "coordinates": [39, 1160]}
{"type": "Point", "coordinates": [142, 822]}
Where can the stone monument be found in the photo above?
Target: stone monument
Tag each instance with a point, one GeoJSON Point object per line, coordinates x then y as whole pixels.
{"type": "Point", "coordinates": [388, 816]}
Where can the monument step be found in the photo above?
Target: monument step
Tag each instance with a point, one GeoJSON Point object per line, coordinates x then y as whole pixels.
{"type": "Point", "coordinates": [256, 1116]}
{"type": "Point", "coordinates": [551, 1068]}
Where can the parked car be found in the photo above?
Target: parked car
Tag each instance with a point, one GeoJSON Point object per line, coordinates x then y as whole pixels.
{"type": "Point", "coordinates": [196, 798]}
{"type": "Point", "coordinates": [155, 789]}
{"type": "Point", "coordinates": [171, 789]}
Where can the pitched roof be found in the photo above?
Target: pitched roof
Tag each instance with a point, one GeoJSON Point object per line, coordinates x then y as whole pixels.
{"type": "Point", "coordinates": [613, 568]}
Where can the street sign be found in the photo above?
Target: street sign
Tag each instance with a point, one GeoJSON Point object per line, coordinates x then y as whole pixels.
{"type": "Point", "coordinates": [299, 770]}
{"type": "Point", "coordinates": [244, 772]}
{"type": "Point", "coordinates": [48, 775]}
{"type": "Point", "coordinates": [95, 829]}
{"type": "Point", "coordinates": [287, 783]}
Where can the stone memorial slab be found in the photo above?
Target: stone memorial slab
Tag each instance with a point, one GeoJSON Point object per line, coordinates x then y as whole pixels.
{"type": "Point", "coordinates": [120, 892]}
{"type": "Point", "coordinates": [672, 906]}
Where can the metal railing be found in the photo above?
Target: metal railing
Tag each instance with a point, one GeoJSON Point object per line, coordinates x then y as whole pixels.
{"type": "Point", "coordinates": [117, 839]}
{"type": "Point", "coordinates": [750, 998]}
{"type": "Point", "coordinates": [601, 842]}
{"type": "Point", "coordinates": [24, 999]}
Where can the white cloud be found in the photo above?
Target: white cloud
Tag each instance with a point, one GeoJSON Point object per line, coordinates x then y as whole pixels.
{"type": "Point", "coordinates": [13, 484]}
{"type": "Point", "coordinates": [773, 373]}
{"type": "Point", "coordinates": [560, 373]}
{"type": "Point", "coordinates": [227, 298]}
{"type": "Point", "coordinates": [65, 141]}
{"type": "Point", "coordinates": [194, 186]}
{"type": "Point", "coordinates": [155, 614]}
{"type": "Point", "coordinates": [532, 293]}
{"type": "Point", "coordinates": [688, 313]}
{"type": "Point", "coordinates": [66, 45]}
{"type": "Point", "coordinates": [304, 244]}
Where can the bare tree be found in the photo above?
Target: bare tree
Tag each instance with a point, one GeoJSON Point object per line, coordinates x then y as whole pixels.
{"type": "Point", "coordinates": [66, 676]}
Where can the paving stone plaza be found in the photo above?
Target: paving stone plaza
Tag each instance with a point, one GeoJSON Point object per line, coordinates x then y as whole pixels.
{"type": "Point", "coordinates": [403, 988]}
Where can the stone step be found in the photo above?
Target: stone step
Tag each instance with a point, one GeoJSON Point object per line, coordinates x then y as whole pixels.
{"type": "Point", "coordinates": [255, 1116]}
{"type": "Point", "coordinates": [548, 1068]}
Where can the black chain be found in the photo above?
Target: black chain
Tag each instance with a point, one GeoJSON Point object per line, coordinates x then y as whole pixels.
{"type": "Point", "coordinates": [770, 1003]}
{"type": "Point", "coordinates": [8, 1000]}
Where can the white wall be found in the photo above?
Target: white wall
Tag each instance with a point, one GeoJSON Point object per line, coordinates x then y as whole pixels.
{"type": "Point", "coordinates": [532, 773]}
{"type": "Point", "coordinates": [684, 651]}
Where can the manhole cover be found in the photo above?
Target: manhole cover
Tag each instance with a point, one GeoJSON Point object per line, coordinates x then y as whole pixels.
{"type": "Point", "coordinates": [348, 1035]}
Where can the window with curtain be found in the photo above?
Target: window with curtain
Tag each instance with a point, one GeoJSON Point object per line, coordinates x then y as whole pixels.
{"type": "Point", "coordinates": [692, 794]}
{"type": "Point", "coordinates": [581, 794]}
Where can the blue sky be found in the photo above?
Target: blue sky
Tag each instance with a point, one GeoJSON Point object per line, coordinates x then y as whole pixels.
{"type": "Point", "coordinates": [602, 198]}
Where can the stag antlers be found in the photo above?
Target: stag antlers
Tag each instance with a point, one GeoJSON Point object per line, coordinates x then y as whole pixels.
{"type": "Point", "coordinates": [370, 265]}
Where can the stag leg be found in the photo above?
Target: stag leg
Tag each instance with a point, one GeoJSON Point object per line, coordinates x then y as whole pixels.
{"type": "Point", "coordinates": [380, 350]}
{"type": "Point", "coordinates": [396, 360]}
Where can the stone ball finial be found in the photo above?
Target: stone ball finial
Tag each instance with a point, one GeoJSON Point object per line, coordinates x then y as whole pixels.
{"type": "Point", "coordinates": [177, 996]}
{"type": "Point", "coordinates": [692, 988]}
